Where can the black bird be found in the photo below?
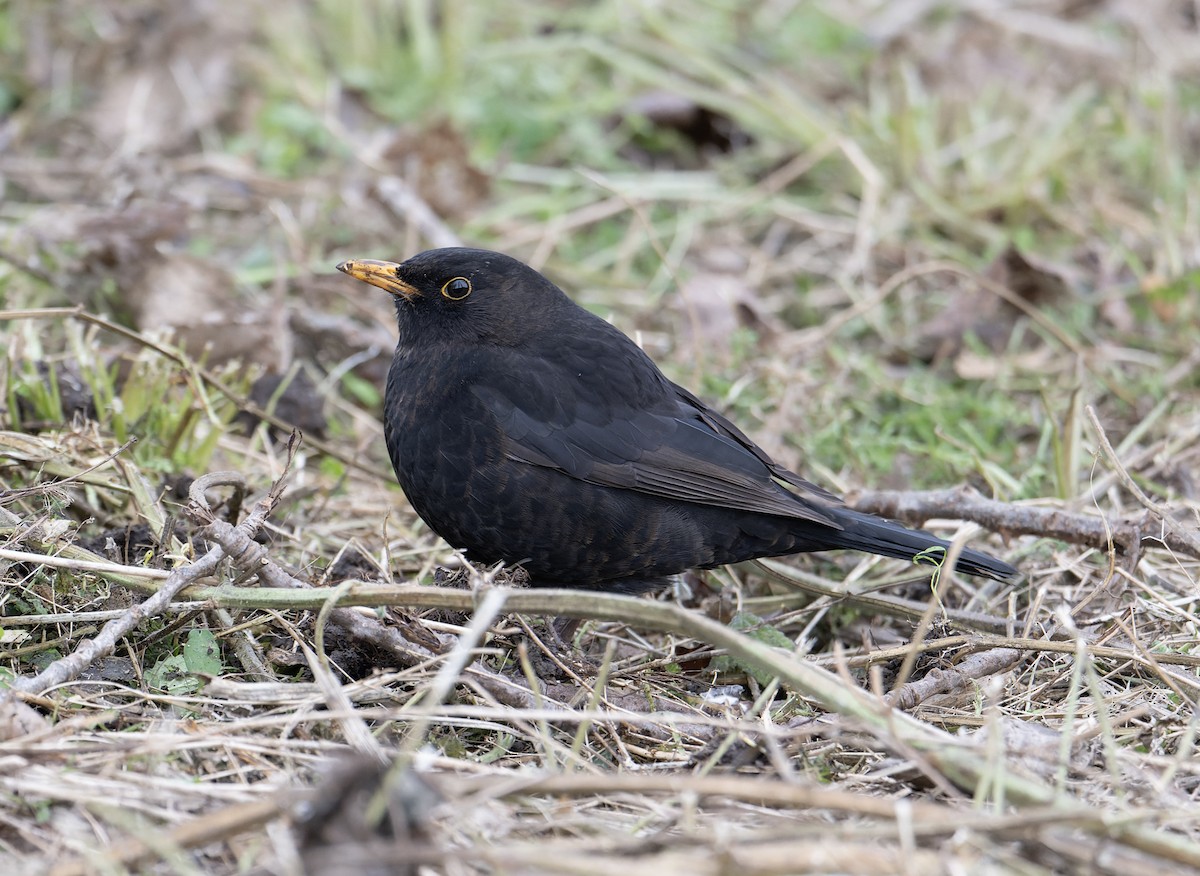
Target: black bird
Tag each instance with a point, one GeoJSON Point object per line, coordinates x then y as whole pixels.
{"type": "Point", "coordinates": [525, 429]}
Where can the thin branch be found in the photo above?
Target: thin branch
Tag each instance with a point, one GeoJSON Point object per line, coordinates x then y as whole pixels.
{"type": "Point", "coordinates": [964, 675]}
{"type": "Point", "coordinates": [90, 650]}
{"type": "Point", "coordinates": [964, 503]}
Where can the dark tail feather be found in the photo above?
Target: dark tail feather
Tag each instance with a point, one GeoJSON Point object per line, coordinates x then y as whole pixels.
{"type": "Point", "coordinates": [878, 536]}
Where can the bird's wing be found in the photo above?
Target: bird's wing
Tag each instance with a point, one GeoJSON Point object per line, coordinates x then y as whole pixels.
{"type": "Point", "coordinates": [676, 447]}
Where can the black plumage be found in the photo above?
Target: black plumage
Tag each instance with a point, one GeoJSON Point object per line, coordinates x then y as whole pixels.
{"type": "Point", "coordinates": [523, 428]}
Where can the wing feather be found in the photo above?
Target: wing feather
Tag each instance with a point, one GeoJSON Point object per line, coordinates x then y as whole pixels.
{"type": "Point", "coordinates": [676, 447]}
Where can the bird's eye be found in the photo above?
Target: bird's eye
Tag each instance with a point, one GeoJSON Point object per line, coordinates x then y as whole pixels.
{"type": "Point", "coordinates": [457, 289]}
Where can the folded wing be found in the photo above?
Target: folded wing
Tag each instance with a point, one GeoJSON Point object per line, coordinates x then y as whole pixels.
{"type": "Point", "coordinates": [675, 447]}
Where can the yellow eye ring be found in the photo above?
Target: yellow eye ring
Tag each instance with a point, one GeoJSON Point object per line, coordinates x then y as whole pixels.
{"type": "Point", "coordinates": [457, 289]}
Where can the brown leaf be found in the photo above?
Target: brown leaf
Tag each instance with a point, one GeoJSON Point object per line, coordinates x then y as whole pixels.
{"type": "Point", "coordinates": [718, 300]}
{"type": "Point", "coordinates": [985, 314]}
{"type": "Point", "coordinates": [434, 160]}
{"type": "Point", "coordinates": [96, 240]}
{"type": "Point", "coordinates": [177, 79]}
{"type": "Point", "coordinates": [195, 299]}
{"type": "Point", "coordinates": [706, 129]}
{"type": "Point", "coordinates": [18, 719]}
{"type": "Point", "coordinates": [1032, 280]}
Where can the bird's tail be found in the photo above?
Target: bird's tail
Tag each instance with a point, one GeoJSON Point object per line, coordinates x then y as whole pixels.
{"type": "Point", "coordinates": [876, 535]}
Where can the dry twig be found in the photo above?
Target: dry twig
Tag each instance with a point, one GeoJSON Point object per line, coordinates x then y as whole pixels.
{"type": "Point", "coordinates": [965, 503]}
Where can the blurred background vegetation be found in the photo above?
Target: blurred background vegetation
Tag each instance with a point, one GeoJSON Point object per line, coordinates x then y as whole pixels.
{"type": "Point", "coordinates": [899, 241]}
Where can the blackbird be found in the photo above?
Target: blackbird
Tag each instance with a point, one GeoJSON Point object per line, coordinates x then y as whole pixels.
{"type": "Point", "coordinates": [525, 429]}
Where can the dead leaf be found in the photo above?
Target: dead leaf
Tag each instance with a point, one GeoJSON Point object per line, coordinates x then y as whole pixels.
{"type": "Point", "coordinates": [177, 290]}
{"type": "Point", "coordinates": [985, 314]}
{"type": "Point", "coordinates": [194, 299]}
{"type": "Point", "coordinates": [1033, 280]}
{"type": "Point", "coordinates": [718, 300]}
{"type": "Point", "coordinates": [176, 80]}
{"type": "Point", "coordinates": [95, 240]}
{"type": "Point", "coordinates": [18, 719]}
{"type": "Point", "coordinates": [706, 130]}
{"type": "Point", "coordinates": [435, 161]}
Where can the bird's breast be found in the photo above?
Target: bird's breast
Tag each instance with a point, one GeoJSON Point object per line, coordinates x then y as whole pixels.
{"type": "Point", "coordinates": [441, 440]}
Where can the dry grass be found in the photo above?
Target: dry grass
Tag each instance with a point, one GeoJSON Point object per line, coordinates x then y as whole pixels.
{"type": "Point", "coordinates": [905, 246]}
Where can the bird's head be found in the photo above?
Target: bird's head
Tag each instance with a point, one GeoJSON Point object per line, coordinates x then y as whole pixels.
{"type": "Point", "coordinates": [463, 296]}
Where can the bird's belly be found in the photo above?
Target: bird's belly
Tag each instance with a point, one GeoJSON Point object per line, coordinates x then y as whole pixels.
{"type": "Point", "coordinates": [561, 530]}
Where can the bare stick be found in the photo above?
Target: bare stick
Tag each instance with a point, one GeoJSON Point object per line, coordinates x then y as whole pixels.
{"type": "Point", "coordinates": [90, 650]}
{"type": "Point", "coordinates": [403, 200]}
{"type": "Point", "coordinates": [937, 681]}
{"type": "Point", "coordinates": [964, 503]}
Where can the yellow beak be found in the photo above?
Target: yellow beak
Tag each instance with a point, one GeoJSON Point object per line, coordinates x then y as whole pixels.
{"type": "Point", "coordinates": [381, 274]}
